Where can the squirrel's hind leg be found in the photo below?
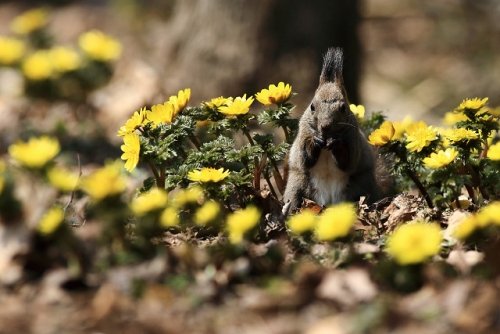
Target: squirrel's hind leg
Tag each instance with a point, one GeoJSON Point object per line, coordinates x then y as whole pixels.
{"type": "Point", "coordinates": [294, 192]}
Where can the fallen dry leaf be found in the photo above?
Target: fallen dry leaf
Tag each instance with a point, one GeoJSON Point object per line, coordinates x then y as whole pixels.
{"type": "Point", "coordinates": [455, 218]}
{"type": "Point", "coordinates": [464, 260]}
{"type": "Point", "coordinates": [338, 324]}
{"type": "Point", "coordinates": [14, 241]}
{"type": "Point", "coordinates": [311, 205]}
{"type": "Point", "coordinates": [347, 287]}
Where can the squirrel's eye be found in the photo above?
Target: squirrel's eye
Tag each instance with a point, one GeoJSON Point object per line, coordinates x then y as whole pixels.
{"type": "Point", "coordinates": [312, 107]}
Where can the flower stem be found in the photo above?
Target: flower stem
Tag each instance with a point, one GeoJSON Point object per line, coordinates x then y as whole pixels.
{"type": "Point", "coordinates": [155, 172]}
{"type": "Point", "coordinates": [476, 179]}
{"type": "Point", "coordinates": [484, 152]}
{"type": "Point", "coordinates": [277, 177]}
{"type": "Point", "coordinates": [402, 154]}
{"type": "Point", "coordinates": [247, 134]}
{"type": "Point", "coordinates": [420, 187]}
{"type": "Point", "coordinates": [287, 135]}
{"type": "Point", "coordinates": [470, 191]}
{"type": "Point", "coordinates": [256, 182]}
{"type": "Point", "coordinates": [271, 188]}
{"type": "Point", "coordinates": [195, 142]}
{"type": "Point", "coordinates": [161, 185]}
{"type": "Point", "coordinates": [256, 175]}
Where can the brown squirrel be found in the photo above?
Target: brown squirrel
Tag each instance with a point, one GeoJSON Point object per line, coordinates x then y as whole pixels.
{"type": "Point", "coordinates": [330, 159]}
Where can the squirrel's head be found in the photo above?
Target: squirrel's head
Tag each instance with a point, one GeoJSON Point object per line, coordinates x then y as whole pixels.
{"type": "Point", "coordinates": [329, 114]}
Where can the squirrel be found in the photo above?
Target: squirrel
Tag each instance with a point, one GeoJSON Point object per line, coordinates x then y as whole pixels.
{"type": "Point", "coordinates": [330, 159]}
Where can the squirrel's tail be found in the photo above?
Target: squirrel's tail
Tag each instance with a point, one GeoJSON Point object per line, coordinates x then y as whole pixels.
{"type": "Point", "coordinates": [332, 65]}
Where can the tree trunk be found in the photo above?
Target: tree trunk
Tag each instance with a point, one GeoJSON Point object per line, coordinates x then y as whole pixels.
{"type": "Point", "coordinates": [231, 47]}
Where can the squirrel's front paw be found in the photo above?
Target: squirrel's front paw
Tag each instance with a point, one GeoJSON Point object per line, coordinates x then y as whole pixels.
{"type": "Point", "coordinates": [330, 142]}
{"type": "Point", "coordinates": [318, 142]}
{"type": "Point", "coordinates": [312, 149]}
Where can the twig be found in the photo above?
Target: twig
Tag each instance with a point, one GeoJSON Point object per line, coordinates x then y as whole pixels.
{"type": "Point", "coordinates": [72, 195]}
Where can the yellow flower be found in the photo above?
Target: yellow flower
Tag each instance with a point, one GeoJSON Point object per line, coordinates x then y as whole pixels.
{"type": "Point", "coordinates": [473, 104]}
{"type": "Point", "coordinates": [494, 152]}
{"type": "Point", "coordinates": [36, 152]}
{"type": "Point", "coordinates": [206, 213]}
{"type": "Point", "coordinates": [217, 102]}
{"type": "Point", "coordinates": [169, 217]}
{"type": "Point", "coordinates": [180, 100]}
{"type": "Point", "coordinates": [358, 110]}
{"type": "Point", "coordinates": [452, 118]}
{"type": "Point", "coordinates": [62, 179]}
{"type": "Point", "coordinates": [208, 175]}
{"type": "Point", "coordinates": [302, 222]}
{"type": "Point", "coordinates": [238, 106]}
{"type": "Point", "coordinates": [152, 200]}
{"type": "Point", "coordinates": [135, 121]}
{"type": "Point", "coordinates": [11, 50]}
{"type": "Point", "coordinates": [382, 135]}
{"type": "Point", "coordinates": [486, 216]}
{"type": "Point", "coordinates": [335, 222]}
{"type": "Point", "coordinates": [131, 149]}
{"type": "Point", "coordinates": [460, 134]}
{"type": "Point", "coordinates": [100, 46]}
{"type": "Point", "coordinates": [414, 242]}
{"type": "Point", "coordinates": [38, 66]}
{"type": "Point", "coordinates": [419, 135]}
{"type": "Point", "coordinates": [104, 182]}
{"type": "Point", "coordinates": [161, 114]}
{"type": "Point", "coordinates": [489, 214]}
{"type": "Point", "coordinates": [495, 111]}
{"type": "Point", "coordinates": [400, 127]}
{"type": "Point", "coordinates": [192, 194]}
{"type": "Point", "coordinates": [274, 94]}
{"type": "Point", "coordinates": [441, 158]}
{"type": "Point", "coordinates": [29, 21]}
{"type": "Point", "coordinates": [240, 222]}
{"type": "Point", "coordinates": [64, 59]}
{"type": "Point", "coordinates": [50, 221]}
{"type": "Point", "coordinates": [466, 227]}
{"type": "Point", "coordinates": [445, 141]}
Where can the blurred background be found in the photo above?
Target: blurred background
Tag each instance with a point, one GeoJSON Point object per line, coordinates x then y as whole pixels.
{"type": "Point", "coordinates": [401, 56]}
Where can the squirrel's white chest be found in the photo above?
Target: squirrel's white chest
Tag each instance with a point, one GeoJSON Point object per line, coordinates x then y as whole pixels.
{"type": "Point", "coordinates": [328, 180]}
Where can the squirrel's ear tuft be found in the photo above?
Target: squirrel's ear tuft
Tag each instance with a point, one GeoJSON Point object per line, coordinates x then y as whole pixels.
{"type": "Point", "coordinates": [332, 65]}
